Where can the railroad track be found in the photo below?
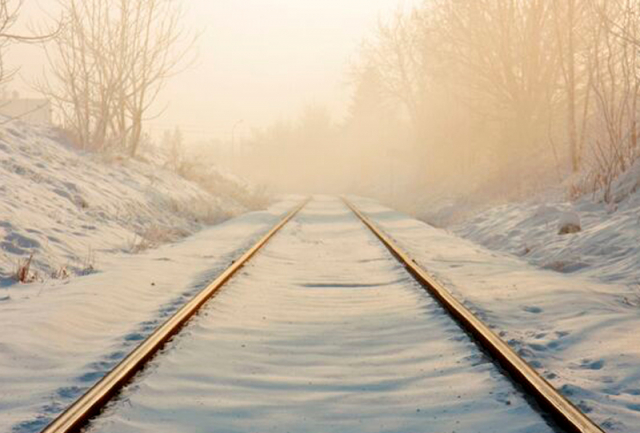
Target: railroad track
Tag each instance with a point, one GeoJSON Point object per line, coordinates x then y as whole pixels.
{"type": "Point", "coordinates": [343, 322]}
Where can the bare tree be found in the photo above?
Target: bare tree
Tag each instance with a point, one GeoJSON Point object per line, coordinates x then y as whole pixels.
{"type": "Point", "coordinates": [9, 14]}
{"type": "Point", "coordinates": [397, 56]}
{"type": "Point", "coordinates": [507, 53]}
{"type": "Point", "coordinates": [512, 76]}
{"type": "Point", "coordinates": [8, 17]}
{"type": "Point", "coordinates": [571, 20]}
{"type": "Point", "coordinates": [614, 65]}
{"type": "Point", "coordinates": [109, 65]}
{"type": "Point", "coordinates": [154, 35]}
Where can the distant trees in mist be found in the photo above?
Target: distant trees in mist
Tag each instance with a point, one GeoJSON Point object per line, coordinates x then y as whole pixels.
{"type": "Point", "coordinates": [503, 96]}
{"type": "Point", "coordinates": [108, 64]}
{"type": "Point", "coordinates": [496, 89]}
{"type": "Point", "coordinates": [490, 97]}
{"type": "Point", "coordinates": [291, 154]}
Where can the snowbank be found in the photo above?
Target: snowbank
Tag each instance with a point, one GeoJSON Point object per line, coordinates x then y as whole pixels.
{"type": "Point", "coordinates": [576, 331]}
{"type": "Point", "coordinates": [68, 208]}
{"type": "Point", "coordinates": [574, 319]}
{"type": "Point", "coordinates": [606, 249]}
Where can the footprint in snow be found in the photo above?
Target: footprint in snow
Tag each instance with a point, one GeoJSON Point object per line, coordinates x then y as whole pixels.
{"type": "Point", "coordinates": [634, 407]}
{"type": "Point", "coordinates": [588, 364]}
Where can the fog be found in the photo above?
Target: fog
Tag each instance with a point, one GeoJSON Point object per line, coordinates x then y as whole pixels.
{"type": "Point", "coordinates": [472, 99]}
{"type": "Point", "coordinates": [256, 60]}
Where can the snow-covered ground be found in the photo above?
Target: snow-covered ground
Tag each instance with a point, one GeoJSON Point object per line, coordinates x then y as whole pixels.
{"type": "Point", "coordinates": [607, 249]}
{"type": "Point", "coordinates": [323, 331]}
{"type": "Point", "coordinates": [59, 337]}
{"type": "Point", "coordinates": [578, 328]}
{"type": "Point", "coordinates": [69, 209]}
{"type": "Point", "coordinates": [568, 303]}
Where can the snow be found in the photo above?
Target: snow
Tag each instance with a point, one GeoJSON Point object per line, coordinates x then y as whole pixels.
{"type": "Point", "coordinates": [59, 337]}
{"type": "Point", "coordinates": [323, 331]}
{"type": "Point", "coordinates": [69, 209]}
{"type": "Point", "coordinates": [577, 327]}
{"type": "Point", "coordinates": [568, 303]}
{"type": "Point", "coordinates": [569, 223]}
{"type": "Point", "coordinates": [627, 185]}
{"type": "Point", "coordinates": [607, 249]}
{"type": "Point", "coordinates": [122, 227]}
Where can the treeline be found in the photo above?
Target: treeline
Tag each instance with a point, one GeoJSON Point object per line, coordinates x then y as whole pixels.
{"type": "Point", "coordinates": [512, 92]}
{"type": "Point", "coordinates": [293, 155]}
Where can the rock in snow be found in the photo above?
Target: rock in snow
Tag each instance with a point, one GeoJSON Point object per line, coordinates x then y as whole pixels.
{"type": "Point", "coordinates": [569, 223]}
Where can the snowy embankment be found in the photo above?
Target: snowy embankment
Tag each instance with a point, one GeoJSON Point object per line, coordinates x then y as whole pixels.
{"type": "Point", "coordinates": [578, 332]}
{"type": "Point", "coordinates": [78, 213]}
{"type": "Point", "coordinates": [606, 249]}
{"type": "Point", "coordinates": [569, 303]}
{"type": "Point", "coordinates": [68, 209]}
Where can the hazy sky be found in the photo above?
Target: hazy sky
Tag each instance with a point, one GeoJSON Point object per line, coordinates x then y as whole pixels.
{"type": "Point", "coordinates": [259, 60]}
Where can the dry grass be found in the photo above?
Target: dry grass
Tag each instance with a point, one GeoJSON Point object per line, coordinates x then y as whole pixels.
{"type": "Point", "coordinates": [153, 237]}
{"type": "Point", "coordinates": [62, 273]}
{"type": "Point", "coordinates": [23, 273]}
{"type": "Point", "coordinates": [89, 263]}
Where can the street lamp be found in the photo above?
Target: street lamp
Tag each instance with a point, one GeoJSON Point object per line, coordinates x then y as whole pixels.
{"type": "Point", "coordinates": [233, 143]}
{"type": "Point", "coordinates": [233, 133]}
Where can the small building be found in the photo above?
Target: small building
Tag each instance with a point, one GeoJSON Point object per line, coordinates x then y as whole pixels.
{"type": "Point", "coordinates": [30, 110]}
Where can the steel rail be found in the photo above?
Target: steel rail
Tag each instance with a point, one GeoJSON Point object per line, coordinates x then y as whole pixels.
{"type": "Point", "coordinates": [94, 400]}
{"type": "Point", "coordinates": [558, 407]}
